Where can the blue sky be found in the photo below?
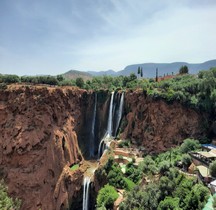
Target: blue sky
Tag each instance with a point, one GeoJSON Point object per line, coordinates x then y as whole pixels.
{"type": "Point", "coordinates": [54, 36]}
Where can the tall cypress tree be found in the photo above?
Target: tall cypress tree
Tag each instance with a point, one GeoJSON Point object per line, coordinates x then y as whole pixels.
{"type": "Point", "coordinates": [138, 70]}
{"type": "Point", "coordinates": [156, 78]}
{"type": "Point", "coordinates": [141, 72]}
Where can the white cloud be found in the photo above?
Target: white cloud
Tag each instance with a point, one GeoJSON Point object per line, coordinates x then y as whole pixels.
{"type": "Point", "coordinates": [173, 34]}
{"type": "Point", "coordinates": [105, 34]}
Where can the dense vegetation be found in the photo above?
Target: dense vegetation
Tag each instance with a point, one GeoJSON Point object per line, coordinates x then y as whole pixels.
{"type": "Point", "coordinates": [5, 201]}
{"type": "Point", "coordinates": [106, 197]}
{"type": "Point", "coordinates": [195, 91]}
{"type": "Point", "coordinates": [158, 182]}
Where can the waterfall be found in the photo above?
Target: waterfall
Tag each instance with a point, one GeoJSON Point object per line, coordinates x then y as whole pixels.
{"type": "Point", "coordinates": [100, 148]}
{"type": "Point", "coordinates": [105, 139]}
{"type": "Point", "coordinates": [119, 116]}
{"type": "Point", "coordinates": [110, 118]}
{"type": "Point", "coordinates": [86, 185]}
{"type": "Point", "coordinates": [92, 139]}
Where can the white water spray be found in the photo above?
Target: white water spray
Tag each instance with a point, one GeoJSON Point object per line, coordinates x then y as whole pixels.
{"type": "Point", "coordinates": [119, 116]}
{"type": "Point", "coordinates": [105, 139]}
{"type": "Point", "coordinates": [110, 118]}
{"type": "Point", "coordinates": [86, 184]}
{"type": "Point", "coordinates": [92, 144]}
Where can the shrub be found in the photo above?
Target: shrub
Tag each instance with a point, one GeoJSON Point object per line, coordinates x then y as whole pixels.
{"type": "Point", "coordinates": [5, 201]}
{"type": "Point", "coordinates": [74, 167]}
{"type": "Point", "coordinates": [186, 160]}
{"type": "Point", "coordinates": [106, 197]}
{"type": "Point", "coordinates": [189, 145]}
{"type": "Point", "coordinates": [169, 203]}
{"type": "Point", "coordinates": [80, 82]}
{"type": "Point", "coordinates": [129, 184]}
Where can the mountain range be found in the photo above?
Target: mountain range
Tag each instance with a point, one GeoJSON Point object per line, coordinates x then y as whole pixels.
{"type": "Point", "coordinates": [149, 69]}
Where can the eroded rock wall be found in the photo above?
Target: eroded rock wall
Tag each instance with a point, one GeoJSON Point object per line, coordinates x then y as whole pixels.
{"type": "Point", "coordinates": [38, 140]}
{"type": "Point", "coordinates": [44, 129]}
{"type": "Point", "coordinates": [157, 125]}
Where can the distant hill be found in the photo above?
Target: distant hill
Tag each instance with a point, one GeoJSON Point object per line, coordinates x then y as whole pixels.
{"type": "Point", "coordinates": [73, 74]}
{"type": "Point", "coordinates": [149, 70]}
{"type": "Point", "coordinates": [164, 68]}
{"type": "Point", "coordinates": [102, 73]}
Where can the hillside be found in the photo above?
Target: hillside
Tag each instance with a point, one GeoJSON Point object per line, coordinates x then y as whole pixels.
{"type": "Point", "coordinates": [149, 69]}
{"type": "Point", "coordinates": [73, 74]}
{"type": "Point", "coordinates": [102, 73]}
{"type": "Point", "coordinates": [164, 68]}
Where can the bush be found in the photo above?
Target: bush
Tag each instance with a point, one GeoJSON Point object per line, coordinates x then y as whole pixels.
{"type": "Point", "coordinates": [106, 197]}
{"type": "Point", "coordinates": [3, 86]}
{"type": "Point", "coordinates": [190, 145]}
{"type": "Point", "coordinates": [10, 79]}
{"type": "Point", "coordinates": [148, 166]}
{"type": "Point", "coordinates": [186, 160]}
{"type": "Point", "coordinates": [5, 201]}
{"type": "Point", "coordinates": [80, 82]}
{"type": "Point", "coordinates": [129, 184]}
{"type": "Point", "coordinates": [164, 167]}
{"type": "Point", "coordinates": [169, 203]}
{"type": "Point", "coordinates": [115, 177]}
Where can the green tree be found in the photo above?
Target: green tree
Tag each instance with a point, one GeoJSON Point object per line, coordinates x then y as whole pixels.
{"type": "Point", "coordinates": [80, 82]}
{"type": "Point", "coordinates": [189, 145]}
{"type": "Point", "coordinates": [148, 166]}
{"type": "Point", "coordinates": [197, 197]}
{"type": "Point", "coordinates": [186, 160]}
{"type": "Point", "coordinates": [132, 77]}
{"type": "Point", "coordinates": [106, 197]}
{"type": "Point", "coordinates": [156, 78]}
{"type": "Point", "coordinates": [183, 70]}
{"type": "Point", "coordinates": [60, 78]}
{"type": "Point", "coordinates": [166, 186]}
{"type": "Point", "coordinates": [164, 167]}
{"type": "Point", "coordinates": [141, 72]}
{"type": "Point", "coordinates": [169, 203]}
{"type": "Point", "coordinates": [142, 198]}
{"type": "Point", "coordinates": [9, 78]}
{"type": "Point", "coordinates": [212, 169]}
{"type": "Point", "coordinates": [138, 70]}
{"type": "Point", "coordinates": [115, 177]}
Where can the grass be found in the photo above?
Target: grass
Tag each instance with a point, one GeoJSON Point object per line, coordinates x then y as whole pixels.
{"type": "Point", "coordinates": [74, 167]}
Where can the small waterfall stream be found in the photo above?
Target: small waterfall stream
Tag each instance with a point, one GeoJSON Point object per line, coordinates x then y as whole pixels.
{"type": "Point", "coordinates": [86, 184]}
{"type": "Point", "coordinates": [92, 139]}
{"type": "Point", "coordinates": [119, 116]}
{"type": "Point", "coordinates": [110, 118]}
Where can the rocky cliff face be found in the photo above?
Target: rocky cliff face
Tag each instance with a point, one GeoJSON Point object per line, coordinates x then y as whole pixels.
{"type": "Point", "coordinates": [44, 129]}
{"type": "Point", "coordinates": [157, 125]}
{"type": "Point", "coordinates": [38, 143]}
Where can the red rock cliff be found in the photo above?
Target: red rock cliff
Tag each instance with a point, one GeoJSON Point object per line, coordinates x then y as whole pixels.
{"type": "Point", "coordinates": [38, 142]}
{"type": "Point", "coordinates": [156, 125]}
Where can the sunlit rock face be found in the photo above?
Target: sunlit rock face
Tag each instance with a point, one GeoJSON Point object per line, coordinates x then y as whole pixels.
{"type": "Point", "coordinates": [38, 143]}
{"type": "Point", "coordinates": [45, 130]}
{"type": "Point", "coordinates": [156, 125]}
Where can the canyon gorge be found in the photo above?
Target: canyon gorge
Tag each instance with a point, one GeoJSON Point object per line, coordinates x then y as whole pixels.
{"type": "Point", "coordinates": [45, 131]}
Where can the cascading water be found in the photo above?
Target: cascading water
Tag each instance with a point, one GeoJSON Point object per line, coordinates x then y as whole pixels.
{"type": "Point", "coordinates": [92, 139]}
{"type": "Point", "coordinates": [110, 118]}
{"type": "Point", "coordinates": [86, 184]}
{"type": "Point", "coordinates": [102, 145]}
{"type": "Point", "coordinates": [119, 116]}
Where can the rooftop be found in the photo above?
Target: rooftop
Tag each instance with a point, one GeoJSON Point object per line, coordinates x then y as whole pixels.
{"type": "Point", "coordinates": [209, 146]}
{"type": "Point", "coordinates": [204, 171]}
